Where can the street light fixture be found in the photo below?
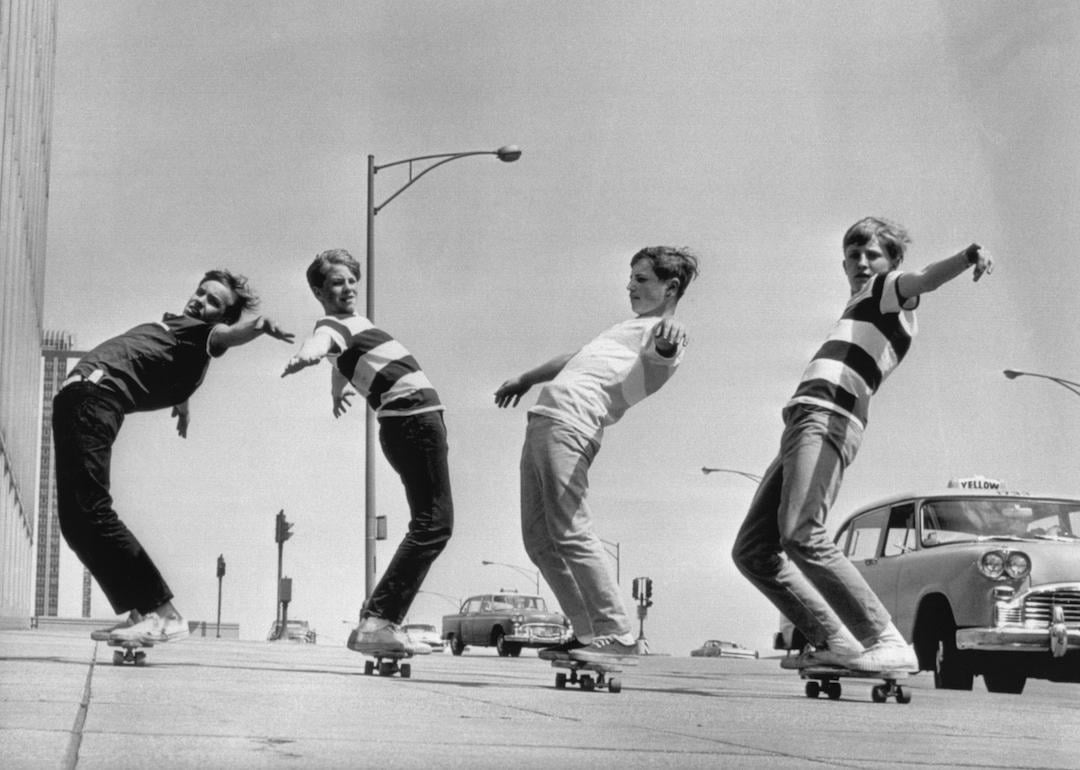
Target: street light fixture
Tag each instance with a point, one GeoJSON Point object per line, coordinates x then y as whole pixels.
{"type": "Point", "coordinates": [522, 570]}
{"type": "Point", "coordinates": [1073, 387]}
{"type": "Point", "coordinates": [507, 154]}
{"type": "Point", "coordinates": [752, 476]}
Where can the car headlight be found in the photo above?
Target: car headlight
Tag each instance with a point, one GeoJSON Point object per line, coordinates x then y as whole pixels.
{"type": "Point", "coordinates": [1000, 565]}
{"type": "Point", "coordinates": [518, 619]}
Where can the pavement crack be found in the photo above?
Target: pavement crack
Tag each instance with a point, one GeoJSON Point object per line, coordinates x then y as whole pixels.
{"type": "Point", "coordinates": [71, 756]}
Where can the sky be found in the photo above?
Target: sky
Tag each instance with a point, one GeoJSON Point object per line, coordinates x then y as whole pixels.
{"type": "Point", "coordinates": [189, 136]}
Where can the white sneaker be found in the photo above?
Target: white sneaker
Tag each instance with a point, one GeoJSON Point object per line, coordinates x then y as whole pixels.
{"type": "Point", "coordinates": [607, 649]}
{"type": "Point", "coordinates": [388, 638]}
{"type": "Point", "coordinates": [104, 634]}
{"type": "Point", "coordinates": [153, 629]}
{"type": "Point", "coordinates": [885, 656]}
{"type": "Point", "coordinates": [810, 658]}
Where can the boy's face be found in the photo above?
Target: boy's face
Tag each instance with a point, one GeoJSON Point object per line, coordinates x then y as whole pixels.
{"type": "Point", "coordinates": [210, 302]}
{"type": "Point", "coordinates": [649, 296]}
{"type": "Point", "coordinates": [338, 292]}
{"type": "Point", "coordinates": [863, 262]}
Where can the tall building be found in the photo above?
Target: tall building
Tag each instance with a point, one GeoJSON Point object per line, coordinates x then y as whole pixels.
{"type": "Point", "coordinates": [27, 55]}
{"type": "Point", "coordinates": [57, 353]}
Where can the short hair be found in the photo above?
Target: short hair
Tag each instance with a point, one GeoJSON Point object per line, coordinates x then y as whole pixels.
{"type": "Point", "coordinates": [316, 272]}
{"type": "Point", "coordinates": [246, 298]}
{"type": "Point", "coordinates": [669, 262]}
{"type": "Point", "coordinates": [892, 236]}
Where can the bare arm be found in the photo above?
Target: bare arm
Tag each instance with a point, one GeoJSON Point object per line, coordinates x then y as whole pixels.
{"type": "Point", "coordinates": [511, 391]}
{"type": "Point", "coordinates": [183, 417]}
{"type": "Point", "coordinates": [313, 350]}
{"type": "Point", "coordinates": [938, 273]}
{"type": "Point", "coordinates": [224, 336]}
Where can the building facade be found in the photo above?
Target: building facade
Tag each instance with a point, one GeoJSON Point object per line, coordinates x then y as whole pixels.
{"type": "Point", "coordinates": [27, 55]}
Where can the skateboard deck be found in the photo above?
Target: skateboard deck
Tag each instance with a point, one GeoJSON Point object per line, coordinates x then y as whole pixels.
{"type": "Point", "coordinates": [825, 679]}
{"type": "Point", "coordinates": [387, 663]}
{"type": "Point", "coordinates": [602, 679]}
{"type": "Point", "coordinates": [129, 652]}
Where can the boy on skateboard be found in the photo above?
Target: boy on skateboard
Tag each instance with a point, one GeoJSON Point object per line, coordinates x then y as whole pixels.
{"type": "Point", "coordinates": [782, 547]}
{"type": "Point", "coordinates": [152, 366]}
{"type": "Point", "coordinates": [411, 431]}
{"type": "Point", "coordinates": [586, 392]}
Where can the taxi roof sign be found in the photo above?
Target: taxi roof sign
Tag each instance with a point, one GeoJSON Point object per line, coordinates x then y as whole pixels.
{"type": "Point", "coordinates": [976, 482]}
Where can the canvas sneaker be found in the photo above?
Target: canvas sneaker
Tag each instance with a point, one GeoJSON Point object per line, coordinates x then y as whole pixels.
{"type": "Point", "coordinates": [153, 629]}
{"type": "Point", "coordinates": [104, 634]}
{"type": "Point", "coordinates": [885, 656]}
{"type": "Point", "coordinates": [560, 651]}
{"type": "Point", "coordinates": [388, 638]}
{"type": "Point", "coordinates": [607, 649]}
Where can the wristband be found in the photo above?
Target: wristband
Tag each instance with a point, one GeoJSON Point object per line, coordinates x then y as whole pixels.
{"type": "Point", "coordinates": [972, 253]}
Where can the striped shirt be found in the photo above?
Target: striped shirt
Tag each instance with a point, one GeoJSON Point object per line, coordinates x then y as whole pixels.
{"type": "Point", "coordinates": [378, 366]}
{"type": "Point", "coordinates": [868, 342]}
{"type": "Point", "coordinates": [606, 377]}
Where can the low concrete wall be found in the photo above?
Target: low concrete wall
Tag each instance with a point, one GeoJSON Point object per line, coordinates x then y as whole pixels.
{"type": "Point", "coordinates": [199, 628]}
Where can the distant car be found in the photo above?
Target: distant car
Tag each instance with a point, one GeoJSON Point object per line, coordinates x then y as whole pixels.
{"type": "Point", "coordinates": [294, 631]}
{"type": "Point", "coordinates": [426, 633]}
{"type": "Point", "coordinates": [982, 583]}
{"type": "Point", "coordinates": [506, 621]}
{"type": "Point", "coordinates": [714, 648]}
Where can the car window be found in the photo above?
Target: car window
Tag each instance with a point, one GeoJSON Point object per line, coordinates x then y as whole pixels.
{"type": "Point", "coordinates": [947, 521]}
{"type": "Point", "coordinates": [863, 534]}
{"type": "Point", "coordinates": [900, 535]}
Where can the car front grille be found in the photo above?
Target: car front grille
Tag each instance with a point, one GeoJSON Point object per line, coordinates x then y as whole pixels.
{"type": "Point", "coordinates": [1037, 607]}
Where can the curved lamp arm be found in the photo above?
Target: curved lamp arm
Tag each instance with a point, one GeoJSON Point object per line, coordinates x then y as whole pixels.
{"type": "Point", "coordinates": [507, 154]}
{"type": "Point", "coordinates": [1069, 385]}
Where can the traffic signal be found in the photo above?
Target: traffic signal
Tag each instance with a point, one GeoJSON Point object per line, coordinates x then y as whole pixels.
{"type": "Point", "coordinates": [283, 528]}
{"type": "Point", "coordinates": [221, 566]}
{"type": "Point", "coordinates": [648, 592]}
{"type": "Point", "coordinates": [636, 583]}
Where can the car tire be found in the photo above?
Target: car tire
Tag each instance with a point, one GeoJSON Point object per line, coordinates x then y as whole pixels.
{"type": "Point", "coordinates": [456, 645]}
{"type": "Point", "coordinates": [1004, 678]}
{"type": "Point", "coordinates": [513, 650]}
{"type": "Point", "coordinates": [935, 636]}
{"type": "Point", "coordinates": [498, 638]}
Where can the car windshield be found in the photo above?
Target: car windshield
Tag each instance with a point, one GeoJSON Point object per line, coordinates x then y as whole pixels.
{"type": "Point", "coordinates": [960, 519]}
{"type": "Point", "coordinates": [520, 603]}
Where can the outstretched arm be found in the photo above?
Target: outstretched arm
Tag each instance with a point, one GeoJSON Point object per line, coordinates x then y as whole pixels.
{"type": "Point", "coordinates": [511, 391]}
{"type": "Point", "coordinates": [941, 272]}
{"type": "Point", "coordinates": [314, 349]}
{"type": "Point", "coordinates": [225, 336]}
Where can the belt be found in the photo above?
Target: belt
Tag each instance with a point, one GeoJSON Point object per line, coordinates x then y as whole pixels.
{"type": "Point", "coordinates": [94, 377]}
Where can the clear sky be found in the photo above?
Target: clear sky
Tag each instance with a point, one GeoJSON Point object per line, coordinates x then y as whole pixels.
{"type": "Point", "coordinates": [195, 135]}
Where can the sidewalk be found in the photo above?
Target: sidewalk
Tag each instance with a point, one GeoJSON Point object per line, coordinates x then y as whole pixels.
{"type": "Point", "coordinates": [225, 703]}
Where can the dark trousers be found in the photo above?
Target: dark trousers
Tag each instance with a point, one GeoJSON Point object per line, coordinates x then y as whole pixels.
{"type": "Point", "coordinates": [86, 419]}
{"type": "Point", "coordinates": [416, 448]}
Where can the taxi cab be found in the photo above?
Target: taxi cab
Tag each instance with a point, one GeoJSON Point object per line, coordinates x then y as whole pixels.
{"type": "Point", "coordinates": [982, 580]}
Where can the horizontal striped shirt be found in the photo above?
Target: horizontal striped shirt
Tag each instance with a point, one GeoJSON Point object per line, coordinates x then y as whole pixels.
{"type": "Point", "coordinates": [606, 377]}
{"type": "Point", "coordinates": [868, 342]}
{"type": "Point", "coordinates": [378, 366]}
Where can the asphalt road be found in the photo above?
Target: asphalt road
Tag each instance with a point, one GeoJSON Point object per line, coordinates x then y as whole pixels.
{"type": "Point", "coordinates": [224, 703]}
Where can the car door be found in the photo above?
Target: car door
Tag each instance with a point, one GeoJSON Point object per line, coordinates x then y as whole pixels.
{"type": "Point", "coordinates": [860, 540]}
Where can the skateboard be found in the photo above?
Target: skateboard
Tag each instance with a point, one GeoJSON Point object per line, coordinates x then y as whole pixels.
{"type": "Point", "coordinates": [825, 679]}
{"type": "Point", "coordinates": [386, 662]}
{"type": "Point", "coordinates": [586, 681]}
{"type": "Point", "coordinates": [129, 652]}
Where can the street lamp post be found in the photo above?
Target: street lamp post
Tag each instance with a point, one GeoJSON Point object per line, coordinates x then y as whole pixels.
{"type": "Point", "coordinates": [522, 570]}
{"type": "Point", "coordinates": [617, 553]}
{"type": "Point", "coordinates": [752, 476]}
{"type": "Point", "coordinates": [507, 154]}
{"type": "Point", "coordinates": [1073, 387]}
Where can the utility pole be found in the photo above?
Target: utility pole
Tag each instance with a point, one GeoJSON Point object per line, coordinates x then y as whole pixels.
{"type": "Point", "coordinates": [220, 575]}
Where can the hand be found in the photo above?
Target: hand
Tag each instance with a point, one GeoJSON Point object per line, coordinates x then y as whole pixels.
{"type": "Point", "coordinates": [510, 392]}
{"type": "Point", "coordinates": [983, 263]}
{"type": "Point", "coordinates": [183, 417]}
{"type": "Point", "coordinates": [669, 335]}
{"type": "Point", "coordinates": [341, 403]}
{"type": "Point", "coordinates": [296, 363]}
{"type": "Point", "coordinates": [266, 326]}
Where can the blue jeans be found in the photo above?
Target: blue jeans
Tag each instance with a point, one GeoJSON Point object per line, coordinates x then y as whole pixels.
{"type": "Point", "coordinates": [556, 527]}
{"type": "Point", "coordinates": [783, 547]}
{"type": "Point", "coordinates": [86, 419]}
{"type": "Point", "coordinates": [416, 448]}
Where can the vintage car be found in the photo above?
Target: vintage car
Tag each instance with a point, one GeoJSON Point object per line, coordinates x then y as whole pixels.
{"type": "Point", "coordinates": [294, 631]}
{"type": "Point", "coordinates": [714, 648]}
{"type": "Point", "coordinates": [425, 633]}
{"type": "Point", "coordinates": [982, 583]}
{"type": "Point", "coordinates": [507, 621]}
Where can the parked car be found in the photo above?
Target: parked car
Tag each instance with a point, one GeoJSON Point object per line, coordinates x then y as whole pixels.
{"type": "Point", "coordinates": [982, 583]}
{"type": "Point", "coordinates": [426, 633]}
{"type": "Point", "coordinates": [714, 648]}
{"type": "Point", "coordinates": [506, 621]}
{"type": "Point", "coordinates": [294, 631]}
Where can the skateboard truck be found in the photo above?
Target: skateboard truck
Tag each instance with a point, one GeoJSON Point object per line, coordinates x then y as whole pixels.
{"type": "Point", "coordinates": [387, 664]}
{"type": "Point", "coordinates": [586, 681]}
{"type": "Point", "coordinates": [825, 680]}
{"type": "Point", "coordinates": [130, 652]}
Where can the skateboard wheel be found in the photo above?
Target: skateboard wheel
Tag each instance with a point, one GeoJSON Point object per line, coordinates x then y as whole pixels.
{"type": "Point", "coordinates": [386, 668]}
{"type": "Point", "coordinates": [117, 658]}
{"type": "Point", "coordinates": [140, 659]}
{"type": "Point", "coordinates": [614, 684]}
{"type": "Point", "coordinates": [879, 694]}
{"type": "Point", "coordinates": [406, 670]}
{"type": "Point", "coordinates": [813, 689]}
{"type": "Point", "coordinates": [587, 683]}
{"type": "Point", "coordinates": [902, 695]}
{"type": "Point", "coordinates": [833, 690]}
{"type": "Point", "coordinates": [369, 667]}
{"type": "Point", "coordinates": [560, 681]}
